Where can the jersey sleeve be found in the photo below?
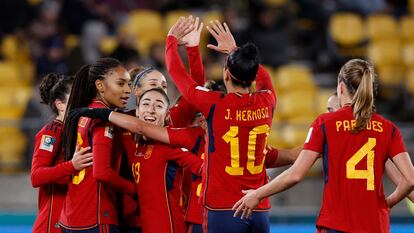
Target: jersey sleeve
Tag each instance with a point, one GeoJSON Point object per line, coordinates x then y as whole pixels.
{"type": "Point", "coordinates": [102, 138]}
{"type": "Point", "coordinates": [196, 65]}
{"type": "Point", "coordinates": [264, 81]}
{"type": "Point", "coordinates": [183, 137]}
{"type": "Point", "coordinates": [182, 113]}
{"type": "Point", "coordinates": [316, 138]}
{"type": "Point", "coordinates": [397, 143]}
{"type": "Point", "coordinates": [46, 151]}
{"type": "Point", "coordinates": [199, 96]}
{"type": "Point", "coordinates": [271, 156]}
{"type": "Point", "coordinates": [186, 159]}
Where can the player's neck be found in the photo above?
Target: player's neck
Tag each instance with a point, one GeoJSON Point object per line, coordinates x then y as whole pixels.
{"type": "Point", "coordinates": [237, 89]}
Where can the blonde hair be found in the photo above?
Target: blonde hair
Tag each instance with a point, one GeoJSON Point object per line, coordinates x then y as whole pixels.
{"type": "Point", "coordinates": [359, 78]}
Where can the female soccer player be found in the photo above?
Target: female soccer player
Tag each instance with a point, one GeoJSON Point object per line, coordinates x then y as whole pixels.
{"type": "Point", "coordinates": [149, 159]}
{"type": "Point", "coordinates": [91, 203]}
{"type": "Point", "coordinates": [49, 173]}
{"type": "Point", "coordinates": [238, 126]}
{"type": "Point", "coordinates": [355, 142]}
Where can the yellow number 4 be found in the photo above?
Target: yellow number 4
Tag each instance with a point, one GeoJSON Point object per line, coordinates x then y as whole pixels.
{"type": "Point", "coordinates": [365, 150]}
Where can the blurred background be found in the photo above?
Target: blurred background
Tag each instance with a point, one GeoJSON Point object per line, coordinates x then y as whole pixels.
{"type": "Point", "coordinates": [303, 44]}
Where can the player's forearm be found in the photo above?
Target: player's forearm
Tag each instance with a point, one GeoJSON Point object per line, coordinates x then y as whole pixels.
{"type": "Point", "coordinates": [48, 175]}
{"type": "Point", "coordinates": [176, 68]}
{"type": "Point", "coordinates": [279, 184]}
{"type": "Point", "coordinates": [128, 122]}
{"type": "Point", "coordinates": [196, 65]}
{"type": "Point", "coordinates": [403, 189]}
{"type": "Point", "coordinates": [392, 171]}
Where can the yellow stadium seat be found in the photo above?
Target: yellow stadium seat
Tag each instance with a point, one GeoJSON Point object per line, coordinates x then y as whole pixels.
{"type": "Point", "coordinates": [147, 28]}
{"type": "Point", "coordinates": [108, 44]}
{"type": "Point", "coordinates": [385, 52]}
{"type": "Point", "coordinates": [381, 26]}
{"type": "Point", "coordinates": [411, 6]}
{"type": "Point", "coordinates": [298, 106]}
{"type": "Point", "coordinates": [172, 16]}
{"type": "Point", "coordinates": [15, 50]}
{"type": "Point", "coordinates": [275, 138]}
{"type": "Point", "coordinates": [295, 135]}
{"type": "Point", "coordinates": [13, 101]}
{"type": "Point", "coordinates": [9, 74]}
{"type": "Point", "coordinates": [390, 75]}
{"type": "Point", "coordinates": [407, 27]}
{"type": "Point", "coordinates": [408, 54]}
{"type": "Point", "coordinates": [144, 21]}
{"type": "Point", "coordinates": [294, 77]}
{"type": "Point", "coordinates": [12, 147]}
{"type": "Point", "coordinates": [346, 29]}
{"type": "Point", "coordinates": [409, 81]}
{"type": "Point", "coordinates": [71, 41]}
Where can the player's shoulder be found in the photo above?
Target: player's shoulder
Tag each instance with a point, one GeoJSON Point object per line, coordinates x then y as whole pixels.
{"type": "Point", "coordinates": [54, 127]}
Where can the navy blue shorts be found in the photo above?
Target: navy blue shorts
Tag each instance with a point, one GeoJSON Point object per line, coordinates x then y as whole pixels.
{"type": "Point", "coordinates": [195, 228]}
{"type": "Point", "coordinates": [98, 229]}
{"type": "Point", "coordinates": [130, 229]}
{"type": "Point", "coordinates": [223, 221]}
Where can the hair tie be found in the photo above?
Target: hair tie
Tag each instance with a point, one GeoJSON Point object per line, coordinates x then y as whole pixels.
{"type": "Point", "coordinates": [141, 74]}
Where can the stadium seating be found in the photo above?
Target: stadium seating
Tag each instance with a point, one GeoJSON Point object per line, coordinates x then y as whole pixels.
{"type": "Point", "coordinates": [407, 28]}
{"type": "Point", "coordinates": [409, 81]}
{"type": "Point", "coordinates": [108, 44]}
{"type": "Point", "coordinates": [322, 99]}
{"type": "Point", "coordinates": [294, 77]}
{"type": "Point", "coordinates": [408, 54]}
{"type": "Point", "coordinates": [12, 147]}
{"type": "Point", "coordinates": [346, 29]}
{"type": "Point", "coordinates": [147, 26]}
{"type": "Point", "coordinates": [13, 102]}
{"type": "Point", "coordinates": [381, 26]}
{"type": "Point", "coordinates": [386, 56]}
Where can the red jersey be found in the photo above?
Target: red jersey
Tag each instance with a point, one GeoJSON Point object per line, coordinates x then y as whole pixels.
{"type": "Point", "coordinates": [183, 112]}
{"type": "Point", "coordinates": [191, 138]}
{"type": "Point", "coordinates": [91, 198]}
{"type": "Point", "coordinates": [160, 211]}
{"type": "Point", "coordinates": [353, 199]}
{"type": "Point", "coordinates": [238, 126]}
{"type": "Point", "coordinates": [51, 175]}
{"type": "Point", "coordinates": [130, 216]}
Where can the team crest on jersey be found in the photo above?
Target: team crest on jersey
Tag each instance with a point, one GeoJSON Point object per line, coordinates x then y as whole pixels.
{"type": "Point", "coordinates": [47, 143]}
{"type": "Point", "coordinates": [82, 122]}
{"type": "Point", "coordinates": [109, 132]}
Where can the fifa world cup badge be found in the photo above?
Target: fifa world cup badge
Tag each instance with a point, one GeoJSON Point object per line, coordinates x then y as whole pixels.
{"type": "Point", "coordinates": [47, 143]}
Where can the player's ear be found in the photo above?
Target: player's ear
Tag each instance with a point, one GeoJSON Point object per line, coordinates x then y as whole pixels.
{"type": "Point", "coordinates": [167, 120]}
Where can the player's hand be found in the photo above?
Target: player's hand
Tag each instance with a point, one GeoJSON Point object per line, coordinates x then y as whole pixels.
{"type": "Point", "coordinates": [246, 204]}
{"type": "Point", "coordinates": [81, 158]}
{"type": "Point", "coordinates": [182, 27]}
{"type": "Point", "coordinates": [193, 38]}
{"type": "Point", "coordinates": [223, 36]}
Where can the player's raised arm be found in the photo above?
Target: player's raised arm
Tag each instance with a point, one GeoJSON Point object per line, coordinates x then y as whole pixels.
{"type": "Point", "coordinates": [191, 91]}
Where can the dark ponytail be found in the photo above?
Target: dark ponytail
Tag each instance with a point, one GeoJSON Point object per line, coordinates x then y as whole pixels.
{"type": "Point", "coordinates": [243, 64]}
{"type": "Point", "coordinates": [83, 91]}
{"type": "Point", "coordinates": [54, 87]}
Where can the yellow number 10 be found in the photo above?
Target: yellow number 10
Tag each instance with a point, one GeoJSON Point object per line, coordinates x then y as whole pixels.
{"type": "Point", "coordinates": [231, 137]}
{"type": "Point", "coordinates": [365, 150]}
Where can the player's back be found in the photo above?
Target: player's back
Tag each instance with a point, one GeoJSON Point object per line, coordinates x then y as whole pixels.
{"type": "Point", "coordinates": [238, 126]}
{"type": "Point", "coordinates": [353, 199]}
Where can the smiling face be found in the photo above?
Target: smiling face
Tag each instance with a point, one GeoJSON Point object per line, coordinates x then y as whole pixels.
{"type": "Point", "coordinates": [114, 89]}
{"type": "Point", "coordinates": [151, 80]}
{"type": "Point", "coordinates": [153, 108]}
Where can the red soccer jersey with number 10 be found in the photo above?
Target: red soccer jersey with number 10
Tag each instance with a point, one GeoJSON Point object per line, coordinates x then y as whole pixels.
{"type": "Point", "coordinates": [353, 199]}
{"type": "Point", "coordinates": [91, 199]}
{"type": "Point", "coordinates": [238, 126]}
